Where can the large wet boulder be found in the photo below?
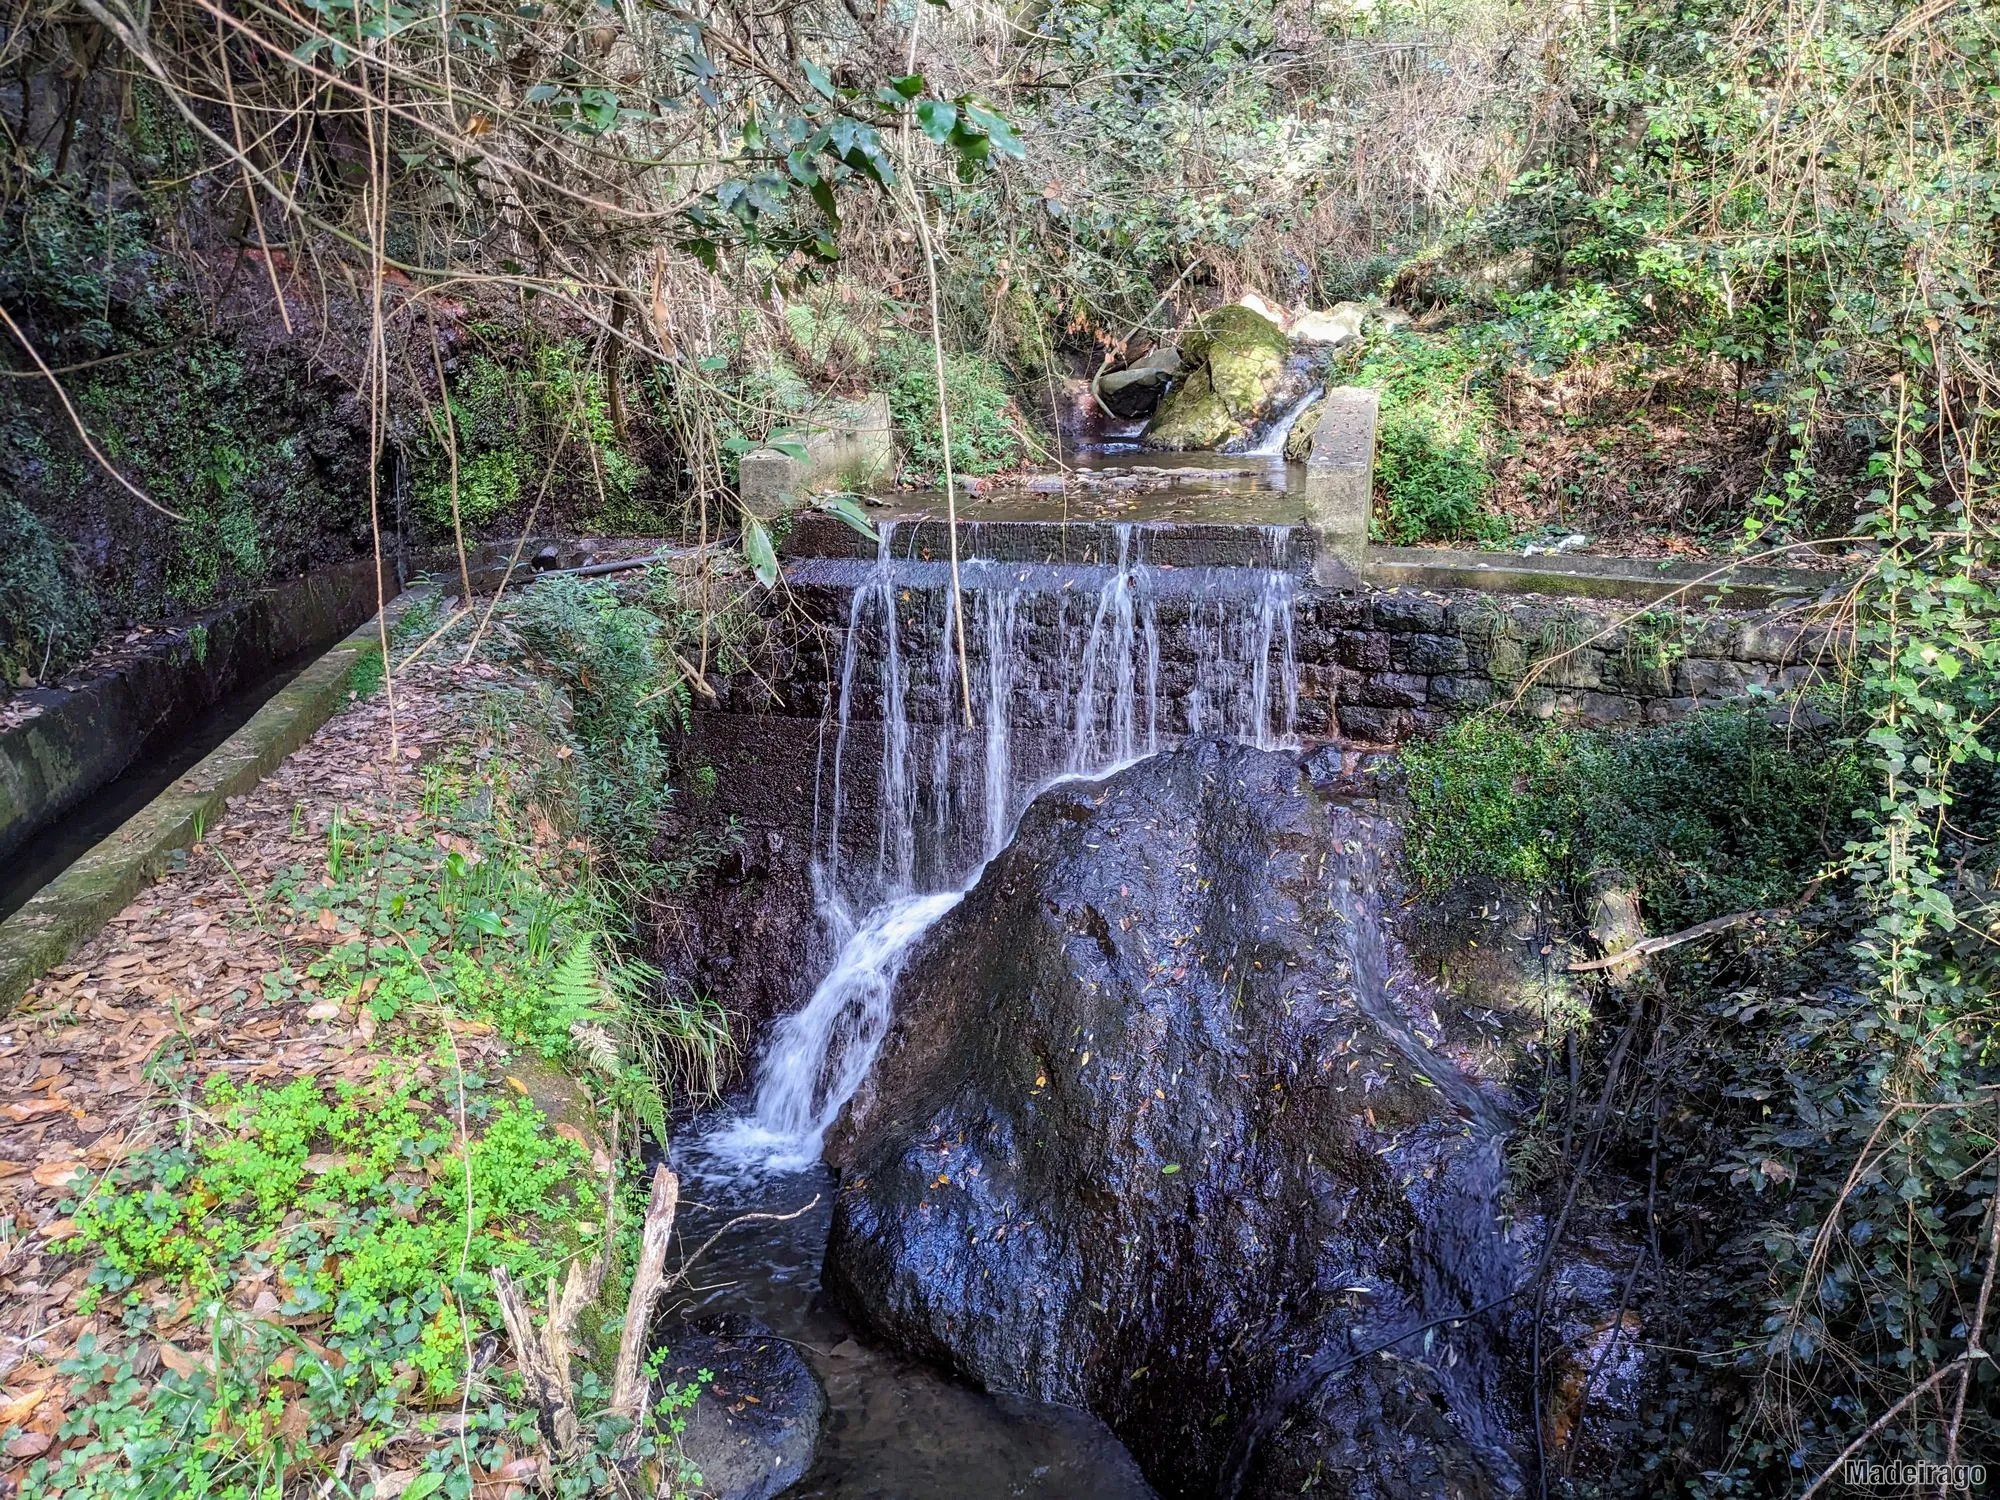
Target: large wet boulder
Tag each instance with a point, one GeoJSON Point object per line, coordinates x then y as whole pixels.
{"type": "Point", "coordinates": [753, 1431]}
{"type": "Point", "coordinates": [1239, 377]}
{"type": "Point", "coordinates": [1165, 1129]}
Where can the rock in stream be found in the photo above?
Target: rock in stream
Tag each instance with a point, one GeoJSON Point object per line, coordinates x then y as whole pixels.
{"type": "Point", "coordinates": [1162, 1131]}
{"type": "Point", "coordinates": [752, 1433]}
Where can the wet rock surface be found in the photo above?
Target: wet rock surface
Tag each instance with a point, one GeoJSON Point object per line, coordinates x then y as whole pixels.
{"type": "Point", "coordinates": [1165, 1130]}
{"type": "Point", "coordinates": [754, 1430]}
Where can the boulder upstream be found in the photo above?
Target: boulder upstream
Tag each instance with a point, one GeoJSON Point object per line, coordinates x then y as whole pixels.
{"type": "Point", "coordinates": [1161, 1130]}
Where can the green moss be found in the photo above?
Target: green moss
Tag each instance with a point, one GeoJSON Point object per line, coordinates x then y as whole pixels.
{"type": "Point", "coordinates": [1299, 441]}
{"type": "Point", "coordinates": [1237, 361]}
{"type": "Point", "coordinates": [1192, 416]}
{"type": "Point", "coordinates": [1246, 359]}
{"type": "Point", "coordinates": [48, 619]}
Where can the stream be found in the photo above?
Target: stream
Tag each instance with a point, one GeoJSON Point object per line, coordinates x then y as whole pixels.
{"type": "Point", "coordinates": [897, 1428]}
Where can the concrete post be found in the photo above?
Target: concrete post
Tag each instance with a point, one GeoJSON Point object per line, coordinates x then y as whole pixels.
{"type": "Point", "coordinates": [853, 444]}
{"type": "Point", "coordinates": [1340, 483]}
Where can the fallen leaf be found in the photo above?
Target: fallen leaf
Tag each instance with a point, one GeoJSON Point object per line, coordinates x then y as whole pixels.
{"type": "Point", "coordinates": [12, 1169]}
{"type": "Point", "coordinates": [57, 1174]}
{"type": "Point", "coordinates": [32, 1109]}
{"type": "Point", "coordinates": [20, 1407]}
{"type": "Point", "coordinates": [177, 1315]}
{"type": "Point", "coordinates": [56, 1229]}
{"type": "Point", "coordinates": [30, 1445]}
{"type": "Point", "coordinates": [365, 1024]}
{"type": "Point", "coordinates": [178, 1360]}
{"type": "Point", "coordinates": [326, 1010]}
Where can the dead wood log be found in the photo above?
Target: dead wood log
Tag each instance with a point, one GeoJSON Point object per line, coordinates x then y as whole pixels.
{"type": "Point", "coordinates": [628, 1383]}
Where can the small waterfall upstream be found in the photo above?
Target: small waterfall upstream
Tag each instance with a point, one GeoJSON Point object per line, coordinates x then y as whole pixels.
{"type": "Point", "coordinates": [1272, 443]}
{"type": "Point", "coordinates": [1068, 679]}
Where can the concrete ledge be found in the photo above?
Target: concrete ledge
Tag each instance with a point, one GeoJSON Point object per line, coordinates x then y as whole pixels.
{"type": "Point", "coordinates": [108, 716]}
{"type": "Point", "coordinates": [99, 885]}
{"type": "Point", "coordinates": [1623, 578]}
{"type": "Point", "coordinates": [1179, 544]}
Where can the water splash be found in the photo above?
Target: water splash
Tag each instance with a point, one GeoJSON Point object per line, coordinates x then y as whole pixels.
{"type": "Point", "coordinates": [1272, 443]}
{"type": "Point", "coordinates": [931, 841]}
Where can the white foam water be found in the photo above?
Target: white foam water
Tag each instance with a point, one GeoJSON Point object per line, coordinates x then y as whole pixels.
{"type": "Point", "coordinates": [1110, 675]}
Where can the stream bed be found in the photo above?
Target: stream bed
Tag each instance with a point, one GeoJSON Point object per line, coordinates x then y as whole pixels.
{"type": "Point", "coordinates": [896, 1429]}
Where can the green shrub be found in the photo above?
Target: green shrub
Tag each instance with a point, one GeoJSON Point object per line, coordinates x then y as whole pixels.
{"type": "Point", "coordinates": [79, 271]}
{"type": "Point", "coordinates": [611, 659]}
{"type": "Point", "coordinates": [1488, 797]}
{"type": "Point", "coordinates": [48, 620]}
{"type": "Point", "coordinates": [1432, 473]}
{"type": "Point", "coordinates": [985, 436]}
{"type": "Point", "coordinates": [1720, 812]}
{"type": "Point", "coordinates": [1433, 480]}
{"type": "Point", "coordinates": [507, 417]}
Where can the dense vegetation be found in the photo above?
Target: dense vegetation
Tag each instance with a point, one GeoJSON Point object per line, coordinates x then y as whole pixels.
{"type": "Point", "coordinates": [1693, 275]}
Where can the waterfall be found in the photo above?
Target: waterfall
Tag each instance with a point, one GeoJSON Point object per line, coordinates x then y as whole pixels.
{"type": "Point", "coordinates": [1097, 705]}
{"type": "Point", "coordinates": [1272, 443]}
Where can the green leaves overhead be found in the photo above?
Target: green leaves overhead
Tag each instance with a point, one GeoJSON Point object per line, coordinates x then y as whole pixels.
{"type": "Point", "coordinates": [832, 138]}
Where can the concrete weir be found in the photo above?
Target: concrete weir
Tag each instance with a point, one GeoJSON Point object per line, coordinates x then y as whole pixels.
{"type": "Point", "coordinates": [1093, 642]}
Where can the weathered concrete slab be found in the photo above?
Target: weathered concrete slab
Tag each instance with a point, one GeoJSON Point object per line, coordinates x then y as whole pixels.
{"type": "Point", "coordinates": [94, 889]}
{"type": "Point", "coordinates": [853, 446]}
{"type": "Point", "coordinates": [1173, 544]}
{"type": "Point", "coordinates": [1573, 576]}
{"type": "Point", "coordinates": [1340, 482]}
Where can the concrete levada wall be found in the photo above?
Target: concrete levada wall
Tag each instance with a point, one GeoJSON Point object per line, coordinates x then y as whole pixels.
{"type": "Point", "coordinates": [92, 727]}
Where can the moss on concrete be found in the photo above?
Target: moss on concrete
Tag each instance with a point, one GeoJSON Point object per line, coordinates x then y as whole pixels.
{"type": "Point", "coordinates": [94, 889]}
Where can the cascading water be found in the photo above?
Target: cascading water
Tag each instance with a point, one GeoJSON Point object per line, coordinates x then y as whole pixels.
{"type": "Point", "coordinates": [1272, 443]}
{"type": "Point", "coordinates": [1094, 702]}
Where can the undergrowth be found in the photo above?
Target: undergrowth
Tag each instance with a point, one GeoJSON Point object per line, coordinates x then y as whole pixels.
{"type": "Point", "coordinates": [1432, 465]}
{"type": "Point", "coordinates": [306, 1264]}
{"type": "Point", "coordinates": [48, 618]}
{"type": "Point", "coordinates": [1721, 812]}
{"type": "Point", "coordinates": [985, 431]}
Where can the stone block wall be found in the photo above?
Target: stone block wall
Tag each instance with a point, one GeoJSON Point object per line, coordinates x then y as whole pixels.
{"type": "Point", "coordinates": [1374, 667]}
{"type": "Point", "coordinates": [1377, 667]}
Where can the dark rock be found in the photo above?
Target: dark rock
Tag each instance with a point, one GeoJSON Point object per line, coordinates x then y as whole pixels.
{"type": "Point", "coordinates": [1461, 692]}
{"type": "Point", "coordinates": [754, 1430]}
{"type": "Point", "coordinates": [1160, 1132]}
{"type": "Point", "coordinates": [1395, 610]}
{"type": "Point", "coordinates": [1428, 653]}
{"type": "Point", "coordinates": [1367, 650]}
{"type": "Point", "coordinates": [1496, 946]}
{"type": "Point", "coordinates": [1372, 726]}
{"type": "Point", "coordinates": [1599, 709]}
{"type": "Point", "coordinates": [1394, 690]}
